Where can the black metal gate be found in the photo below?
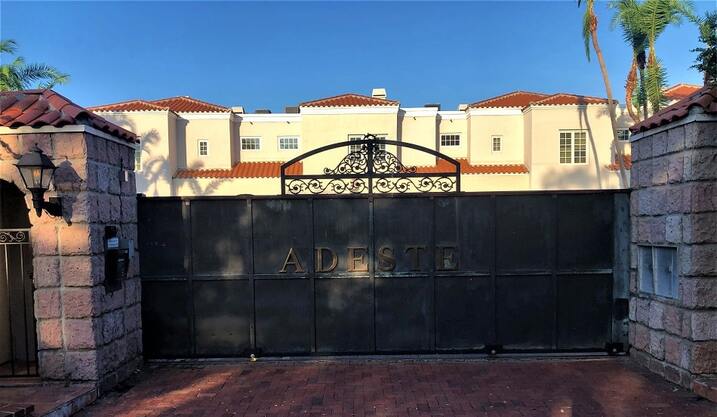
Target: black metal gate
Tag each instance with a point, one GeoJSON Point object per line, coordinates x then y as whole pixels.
{"type": "Point", "coordinates": [529, 271]}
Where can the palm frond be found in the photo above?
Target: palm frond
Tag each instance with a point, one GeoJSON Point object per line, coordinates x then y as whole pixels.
{"type": "Point", "coordinates": [655, 84]}
{"type": "Point", "coordinates": [8, 46]}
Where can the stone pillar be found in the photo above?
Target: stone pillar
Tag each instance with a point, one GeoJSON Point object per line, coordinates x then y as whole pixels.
{"type": "Point", "coordinates": [674, 205]}
{"type": "Point", "coordinates": [84, 331]}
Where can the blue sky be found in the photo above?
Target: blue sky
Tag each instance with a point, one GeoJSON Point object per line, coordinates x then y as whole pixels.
{"type": "Point", "coordinates": [270, 55]}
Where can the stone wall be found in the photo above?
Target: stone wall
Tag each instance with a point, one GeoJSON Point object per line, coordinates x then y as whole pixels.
{"type": "Point", "coordinates": [84, 332]}
{"type": "Point", "coordinates": [674, 204]}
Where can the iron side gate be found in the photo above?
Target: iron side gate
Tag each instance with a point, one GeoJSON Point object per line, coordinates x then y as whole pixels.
{"type": "Point", "coordinates": [529, 271]}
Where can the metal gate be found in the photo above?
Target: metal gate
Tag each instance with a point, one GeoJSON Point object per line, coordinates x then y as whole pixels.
{"type": "Point", "coordinates": [18, 352]}
{"type": "Point", "coordinates": [529, 271]}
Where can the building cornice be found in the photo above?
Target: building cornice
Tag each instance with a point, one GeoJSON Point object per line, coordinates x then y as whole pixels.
{"type": "Point", "coordinates": [349, 110]}
{"type": "Point", "coordinates": [419, 111]}
{"type": "Point", "coordinates": [268, 118]}
{"type": "Point", "coordinates": [494, 111]}
{"type": "Point", "coordinates": [65, 129]}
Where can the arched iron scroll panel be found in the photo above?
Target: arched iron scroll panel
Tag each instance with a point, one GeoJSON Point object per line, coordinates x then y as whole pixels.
{"type": "Point", "coordinates": [372, 170]}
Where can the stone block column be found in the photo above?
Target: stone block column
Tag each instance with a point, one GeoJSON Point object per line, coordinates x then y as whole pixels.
{"type": "Point", "coordinates": [674, 205]}
{"type": "Point", "coordinates": [85, 332]}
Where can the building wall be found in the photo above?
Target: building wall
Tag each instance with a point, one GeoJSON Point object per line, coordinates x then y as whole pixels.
{"type": "Point", "coordinates": [269, 128]}
{"type": "Point", "coordinates": [545, 168]}
{"type": "Point", "coordinates": [215, 129]}
{"type": "Point", "coordinates": [84, 332]}
{"type": "Point", "coordinates": [158, 147]}
{"type": "Point", "coordinates": [673, 207]}
{"type": "Point", "coordinates": [528, 136]}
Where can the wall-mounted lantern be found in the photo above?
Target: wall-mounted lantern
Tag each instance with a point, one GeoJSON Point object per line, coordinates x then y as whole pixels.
{"type": "Point", "coordinates": [37, 170]}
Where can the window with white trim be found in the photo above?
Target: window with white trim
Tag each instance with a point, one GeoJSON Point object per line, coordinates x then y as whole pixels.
{"type": "Point", "coordinates": [451, 139]}
{"type": "Point", "coordinates": [203, 147]}
{"type": "Point", "coordinates": [356, 148]}
{"type": "Point", "coordinates": [250, 143]}
{"type": "Point", "coordinates": [288, 143]}
{"type": "Point", "coordinates": [497, 143]}
{"type": "Point", "coordinates": [623, 135]}
{"type": "Point", "coordinates": [573, 147]}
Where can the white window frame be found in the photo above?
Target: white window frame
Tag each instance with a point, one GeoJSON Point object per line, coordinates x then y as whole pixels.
{"type": "Point", "coordinates": [440, 140]}
{"type": "Point", "coordinates": [199, 147]}
{"type": "Point", "coordinates": [572, 132]}
{"type": "Point", "coordinates": [241, 143]}
{"type": "Point", "coordinates": [627, 138]}
{"type": "Point", "coordinates": [298, 142]}
{"type": "Point", "coordinates": [356, 136]}
{"type": "Point", "coordinates": [500, 143]}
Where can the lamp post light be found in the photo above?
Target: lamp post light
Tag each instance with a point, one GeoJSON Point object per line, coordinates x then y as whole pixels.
{"type": "Point", "coordinates": [36, 171]}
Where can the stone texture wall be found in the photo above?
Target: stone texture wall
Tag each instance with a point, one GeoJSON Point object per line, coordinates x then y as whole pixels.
{"type": "Point", "coordinates": [674, 203]}
{"type": "Point", "coordinates": [83, 332]}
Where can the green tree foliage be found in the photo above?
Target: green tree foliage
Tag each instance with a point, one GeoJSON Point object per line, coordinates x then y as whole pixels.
{"type": "Point", "coordinates": [707, 56]}
{"type": "Point", "coordinates": [18, 75]}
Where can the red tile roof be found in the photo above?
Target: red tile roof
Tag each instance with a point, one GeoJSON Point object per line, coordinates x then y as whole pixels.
{"type": "Point", "coordinates": [131, 105]}
{"type": "Point", "coordinates": [349, 100]}
{"type": "Point", "coordinates": [38, 108]}
{"type": "Point", "coordinates": [242, 170]}
{"type": "Point", "coordinates": [705, 98]}
{"type": "Point", "coordinates": [626, 160]}
{"type": "Point", "coordinates": [183, 104]}
{"type": "Point", "coordinates": [466, 168]}
{"type": "Point", "coordinates": [568, 99]}
{"type": "Point", "coordinates": [680, 91]}
{"type": "Point", "coordinates": [514, 99]}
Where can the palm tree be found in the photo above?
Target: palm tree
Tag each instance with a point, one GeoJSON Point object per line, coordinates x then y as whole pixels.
{"type": "Point", "coordinates": [707, 58]}
{"type": "Point", "coordinates": [656, 15]}
{"type": "Point", "coordinates": [590, 23]}
{"type": "Point", "coordinates": [17, 75]}
{"type": "Point", "coordinates": [628, 17]}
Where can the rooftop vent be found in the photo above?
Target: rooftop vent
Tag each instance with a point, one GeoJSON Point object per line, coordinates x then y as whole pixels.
{"type": "Point", "coordinates": [378, 93]}
{"type": "Point", "coordinates": [262, 111]}
{"type": "Point", "coordinates": [436, 105]}
{"type": "Point", "coordinates": [238, 109]}
{"type": "Point", "coordinates": [462, 107]}
{"type": "Point", "coordinates": [291, 109]}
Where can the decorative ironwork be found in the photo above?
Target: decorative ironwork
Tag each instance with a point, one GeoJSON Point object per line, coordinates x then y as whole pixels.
{"type": "Point", "coordinates": [371, 169]}
{"type": "Point", "coordinates": [8, 236]}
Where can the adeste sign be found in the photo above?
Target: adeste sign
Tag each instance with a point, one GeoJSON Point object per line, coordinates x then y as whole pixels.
{"type": "Point", "coordinates": [327, 259]}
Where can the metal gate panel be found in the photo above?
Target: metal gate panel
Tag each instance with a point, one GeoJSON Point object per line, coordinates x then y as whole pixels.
{"type": "Point", "coordinates": [464, 313]}
{"type": "Point", "coordinates": [344, 315]}
{"type": "Point", "coordinates": [298, 275]}
{"type": "Point", "coordinates": [284, 316]}
{"type": "Point", "coordinates": [403, 326]}
{"type": "Point", "coordinates": [585, 232]}
{"type": "Point", "coordinates": [525, 312]}
{"type": "Point", "coordinates": [166, 318]}
{"type": "Point", "coordinates": [584, 302]}
{"type": "Point", "coordinates": [222, 232]}
{"type": "Point", "coordinates": [222, 311]}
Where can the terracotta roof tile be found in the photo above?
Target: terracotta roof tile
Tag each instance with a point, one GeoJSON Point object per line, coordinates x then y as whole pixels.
{"type": "Point", "coordinates": [514, 99]}
{"type": "Point", "coordinates": [705, 98]}
{"type": "Point", "coordinates": [242, 170]}
{"type": "Point", "coordinates": [466, 168]}
{"type": "Point", "coordinates": [132, 105]}
{"type": "Point", "coordinates": [349, 100]}
{"type": "Point", "coordinates": [568, 99]}
{"type": "Point", "coordinates": [38, 108]}
{"type": "Point", "coordinates": [183, 104]}
{"type": "Point", "coordinates": [626, 160]}
{"type": "Point", "coordinates": [188, 104]}
{"type": "Point", "coordinates": [680, 91]}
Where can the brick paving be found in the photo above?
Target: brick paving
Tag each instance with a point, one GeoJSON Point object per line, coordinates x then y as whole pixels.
{"type": "Point", "coordinates": [397, 387]}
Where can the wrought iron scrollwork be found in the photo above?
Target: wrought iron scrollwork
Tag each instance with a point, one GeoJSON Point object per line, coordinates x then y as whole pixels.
{"type": "Point", "coordinates": [371, 169]}
{"type": "Point", "coordinates": [14, 236]}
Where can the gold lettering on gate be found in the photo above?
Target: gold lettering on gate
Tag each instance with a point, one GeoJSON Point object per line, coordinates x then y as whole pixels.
{"type": "Point", "coordinates": [446, 258]}
{"type": "Point", "coordinates": [386, 259]}
{"type": "Point", "coordinates": [415, 257]}
{"type": "Point", "coordinates": [357, 254]}
{"type": "Point", "coordinates": [293, 260]}
{"type": "Point", "coordinates": [320, 260]}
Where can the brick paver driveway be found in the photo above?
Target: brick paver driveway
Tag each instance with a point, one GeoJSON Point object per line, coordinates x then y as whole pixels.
{"type": "Point", "coordinates": [396, 387]}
